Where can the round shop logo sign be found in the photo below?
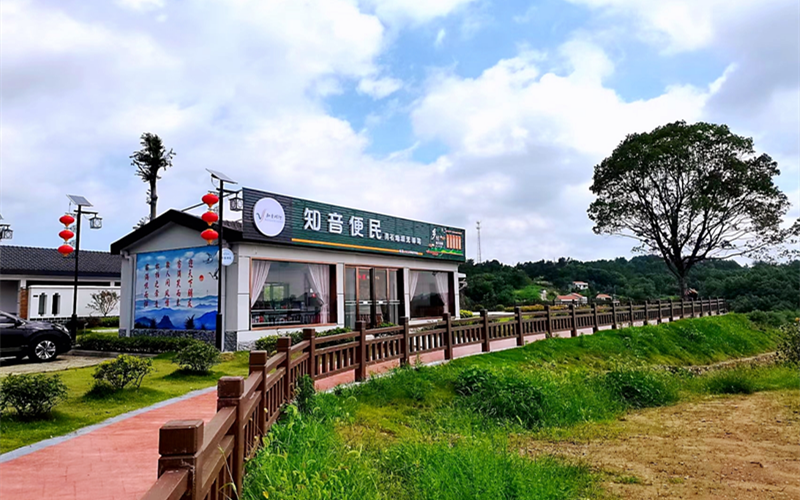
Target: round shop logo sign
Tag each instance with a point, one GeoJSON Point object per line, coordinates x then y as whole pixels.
{"type": "Point", "coordinates": [269, 217]}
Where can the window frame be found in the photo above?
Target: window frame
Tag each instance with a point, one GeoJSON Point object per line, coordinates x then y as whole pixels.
{"type": "Point", "coordinates": [450, 291]}
{"type": "Point", "coordinates": [334, 308]}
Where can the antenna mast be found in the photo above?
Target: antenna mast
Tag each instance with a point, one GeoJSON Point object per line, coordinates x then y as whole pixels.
{"type": "Point", "coordinates": [479, 241]}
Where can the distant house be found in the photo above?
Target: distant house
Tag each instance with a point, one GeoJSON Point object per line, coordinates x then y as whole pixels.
{"type": "Point", "coordinates": [691, 294]}
{"type": "Point", "coordinates": [573, 298]}
{"type": "Point", "coordinates": [604, 297]}
{"type": "Point", "coordinates": [580, 285]}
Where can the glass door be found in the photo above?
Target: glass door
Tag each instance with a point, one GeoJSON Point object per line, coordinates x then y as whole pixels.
{"type": "Point", "coordinates": [372, 295]}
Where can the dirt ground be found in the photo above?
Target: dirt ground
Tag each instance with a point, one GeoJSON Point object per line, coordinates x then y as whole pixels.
{"type": "Point", "coordinates": [740, 447]}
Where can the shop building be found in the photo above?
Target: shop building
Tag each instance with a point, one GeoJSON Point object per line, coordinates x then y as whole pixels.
{"type": "Point", "coordinates": [295, 264]}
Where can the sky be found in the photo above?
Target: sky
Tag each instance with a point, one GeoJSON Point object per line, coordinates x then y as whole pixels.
{"type": "Point", "coordinates": [446, 111]}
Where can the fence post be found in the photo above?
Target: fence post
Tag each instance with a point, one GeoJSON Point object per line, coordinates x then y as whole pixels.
{"type": "Point", "coordinates": [683, 305]}
{"type": "Point", "coordinates": [179, 443]}
{"type": "Point", "coordinates": [284, 346]}
{"type": "Point", "coordinates": [487, 342]}
{"type": "Point", "coordinates": [310, 335]}
{"type": "Point", "coordinates": [630, 309]}
{"type": "Point", "coordinates": [230, 391]}
{"type": "Point", "coordinates": [549, 332]}
{"type": "Point", "coordinates": [448, 336]}
{"type": "Point", "coordinates": [520, 330]}
{"type": "Point", "coordinates": [671, 311]}
{"type": "Point", "coordinates": [574, 331]}
{"type": "Point", "coordinates": [406, 348]}
{"type": "Point", "coordinates": [658, 320]}
{"type": "Point", "coordinates": [361, 371]}
{"type": "Point", "coordinates": [258, 363]}
{"type": "Point", "coordinates": [646, 313]}
{"type": "Point", "coordinates": [614, 314]}
{"type": "Point", "coordinates": [596, 326]}
{"type": "Point", "coordinates": [693, 301]}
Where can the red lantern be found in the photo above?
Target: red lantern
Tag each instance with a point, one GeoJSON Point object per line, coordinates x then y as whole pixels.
{"type": "Point", "coordinates": [65, 250]}
{"type": "Point", "coordinates": [66, 219]}
{"type": "Point", "coordinates": [210, 217]}
{"type": "Point", "coordinates": [66, 235]}
{"type": "Point", "coordinates": [210, 199]}
{"type": "Point", "coordinates": [209, 235]}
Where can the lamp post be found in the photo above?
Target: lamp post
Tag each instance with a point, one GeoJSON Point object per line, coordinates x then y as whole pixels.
{"type": "Point", "coordinates": [95, 222]}
{"type": "Point", "coordinates": [222, 179]}
{"type": "Point", "coordinates": [6, 233]}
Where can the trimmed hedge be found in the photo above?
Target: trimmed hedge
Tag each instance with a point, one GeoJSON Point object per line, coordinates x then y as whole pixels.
{"type": "Point", "coordinates": [270, 342]}
{"type": "Point", "coordinates": [142, 345]}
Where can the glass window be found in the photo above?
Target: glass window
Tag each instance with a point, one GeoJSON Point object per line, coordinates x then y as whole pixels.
{"type": "Point", "coordinates": [291, 293]}
{"type": "Point", "coordinates": [42, 303]}
{"type": "Point", "coordinates": [430, 293]}
{"type": "Point", "coordinates": [56, 303]}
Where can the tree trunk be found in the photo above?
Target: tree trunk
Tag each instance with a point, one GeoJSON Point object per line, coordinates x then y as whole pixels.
{"type": "Point", "coordinates": [153, 199]}
{"type": "Point", "coordinates": [682, 285]}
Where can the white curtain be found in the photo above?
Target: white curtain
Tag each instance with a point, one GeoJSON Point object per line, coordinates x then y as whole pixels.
{"type": "Point", "coordinates": [320, 277]}
{"type": "Point", "coordinates": [413, 279]}
{"type": "Point", "coordinates": [443, 288]}
{"type": "Point", "coordinates": [258, 277]}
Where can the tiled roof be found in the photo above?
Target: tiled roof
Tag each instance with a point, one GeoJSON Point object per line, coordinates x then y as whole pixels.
{"type": "Point", "coordinates": [48, 262]}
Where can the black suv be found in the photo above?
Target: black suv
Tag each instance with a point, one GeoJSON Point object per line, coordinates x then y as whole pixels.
{"type": "Point", "coordinates": [38, 340]}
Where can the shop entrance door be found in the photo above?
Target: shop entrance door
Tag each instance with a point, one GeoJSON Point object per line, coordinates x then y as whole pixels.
{"type": "Point", "coordinates": [372, 295]}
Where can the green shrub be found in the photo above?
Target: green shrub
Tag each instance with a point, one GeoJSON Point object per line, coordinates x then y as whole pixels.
{"type": "Point", "coordinates": [466, 314]}
{"type": "Point", "coordinates": [197, 357]}
{"type": "Point", "coordinates": [110, 322]}
{"type": "Point", "coordinates": [640, 387]}
{"type": "Point", "coordinates": [31, 395]}
{"type": "Point", "coordinates": [93, 322]}
{"type": "Point", "coordinates": [789, 346]}
{"type": "Point", "coordinates": [736, 381]}
{"type": "Point", "coordinates": [270, 342]}
{"type": "Point", "coordinates": [472, 381]}
{"type": "Point", "coordinates": [140, 344]}
{"type": "Point", "coordinates": [123, 371]}
{"type": "Point", "coordinates": [305, 395]}
{"type": "Point", "coordinates": [501, 396]}
{"type": "Point", "coordinates": [773, 319]}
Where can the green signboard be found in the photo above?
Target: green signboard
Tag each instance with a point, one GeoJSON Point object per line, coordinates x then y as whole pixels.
{"type": "Point", "coordinates": [274, 218]}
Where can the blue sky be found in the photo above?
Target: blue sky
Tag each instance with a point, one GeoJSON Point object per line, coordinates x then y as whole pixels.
{"type": "Point", "coordinates": [445, 110]}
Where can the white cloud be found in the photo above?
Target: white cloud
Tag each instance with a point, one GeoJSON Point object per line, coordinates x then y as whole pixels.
{"type": "Point", "coordinates": [141, 5]}
{"type": "Point", "coordinates": [378, 88]}
{"type": "Point", "coordinates": [414, 11]}
{"type": "Point", "coordinates": [440, 38]}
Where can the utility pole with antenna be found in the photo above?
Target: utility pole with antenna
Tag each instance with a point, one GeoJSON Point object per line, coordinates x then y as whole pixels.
{"type": "Point", "coordinates": [479, 241]}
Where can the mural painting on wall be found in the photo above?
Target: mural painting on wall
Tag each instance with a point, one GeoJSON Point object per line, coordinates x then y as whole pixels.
{"type": "Point", "coordinates": [176, 289]}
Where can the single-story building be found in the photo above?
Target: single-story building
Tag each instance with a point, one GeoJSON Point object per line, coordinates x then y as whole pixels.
{"type": "Point", "coordinates": [295, 264]}
{"type": "Point", "coordinates": [580, 285]}
{"type": "Point", "coordinates": [37, 283]}
{"type": "Point", "coordinates": [605, 298]}
{"type": "Point", "coordinates": [572, 298]}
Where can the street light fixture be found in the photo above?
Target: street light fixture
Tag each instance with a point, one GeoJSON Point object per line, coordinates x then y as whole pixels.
{"type": "Point", "coordinates": [222, 178]}
{"type": "Point", "coordinates": [95, 222]}
{"type": "Point", "coordinates": [6, 233]}
{"type": "Point", "coordinates": [237, 204]}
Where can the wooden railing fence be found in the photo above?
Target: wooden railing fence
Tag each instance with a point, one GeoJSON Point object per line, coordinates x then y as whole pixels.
{"type": "Point", "coordinates": [206, 460]}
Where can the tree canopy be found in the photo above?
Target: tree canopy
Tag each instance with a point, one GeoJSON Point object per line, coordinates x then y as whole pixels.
{"type": "Point", "coordinates": [690, 193]}
{"type": "Point", "coordinates": [148, 161]}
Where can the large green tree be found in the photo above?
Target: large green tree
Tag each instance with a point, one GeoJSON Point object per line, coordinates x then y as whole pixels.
{"type": "Point", "coordinates": [148, 161]}
{"type": "Point", "coordinates": [689, 193]}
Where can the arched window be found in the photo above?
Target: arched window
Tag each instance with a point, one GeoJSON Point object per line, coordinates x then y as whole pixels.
{"type": "Point", "coordinates": [42, 303]}
{"type": "Point", "coordinates": [56, 303]}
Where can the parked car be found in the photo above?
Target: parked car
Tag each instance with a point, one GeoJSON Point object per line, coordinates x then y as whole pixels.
{"type": "Point", "coordinates": [38, 340]}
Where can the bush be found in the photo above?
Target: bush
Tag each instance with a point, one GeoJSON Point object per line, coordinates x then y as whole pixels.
{"type": "Point", "coordinates": [197, 357]}
{"type": "Point", "coordinates": [305, 395]}
{"type": "Point", "coordinates": [789, 346]}
{"type": "Point", "coordinates": [31, 395]}
{"type": "Point", "coordinates": [773, 319]}
{"type": "Point", "coordinates": [466, 314]}
{"type": "Point", "coordinates": [270, 342]}
{"type": "Point", "coordinates": [123, 371]}
{"type": "Point", "coordinates": [110, 322]}
{"type": "Point", "coordinates": [533, 308]}
{"type": "Point", "coordinates": [640, 387]}
{"type": "Point", "coordinates": [730, 382]}
{"type": "Point", "coordinates": [93, 322]}
{"type": "Point", "coordinates": [504, 397]}
{"type": "Point", "coordinates": [141, 344]}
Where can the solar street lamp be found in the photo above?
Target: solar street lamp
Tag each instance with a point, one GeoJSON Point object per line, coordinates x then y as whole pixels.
{"type": "Point", "coordinates": [95, 222]}
{"type": "Point", "coordinates": [222, 179]}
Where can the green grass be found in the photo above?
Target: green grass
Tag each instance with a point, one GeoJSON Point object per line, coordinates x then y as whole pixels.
{"type": "Point", "coordinates": [80, 409]}
{"type": "Point", "coordinates": [530, 293]}
{"type": "Point", "coordinates": [449, 431]}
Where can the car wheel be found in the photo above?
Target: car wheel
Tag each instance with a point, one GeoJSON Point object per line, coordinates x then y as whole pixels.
{"type": "Point", "coordinates": [44, 349]}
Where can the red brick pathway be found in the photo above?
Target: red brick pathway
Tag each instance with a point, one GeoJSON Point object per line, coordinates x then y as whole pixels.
{"type": "Point", "coordinates": [119, 461]}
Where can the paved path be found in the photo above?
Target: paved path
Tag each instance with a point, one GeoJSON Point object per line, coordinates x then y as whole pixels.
{"type": "Point", "coordinates": [117, 461]}
{"type": "Point", "coordinates": [10, 366]}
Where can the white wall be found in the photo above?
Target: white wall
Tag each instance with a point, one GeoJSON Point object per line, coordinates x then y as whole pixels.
{"type": "Point", "coordinates": [65, 301]}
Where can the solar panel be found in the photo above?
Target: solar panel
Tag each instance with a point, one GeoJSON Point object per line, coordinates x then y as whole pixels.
{"type": "Point", "coordinates": [221, 176]}
{"type": "Point", "coordinates": [79, 200]}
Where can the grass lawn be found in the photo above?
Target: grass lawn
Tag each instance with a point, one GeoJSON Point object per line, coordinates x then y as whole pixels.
{"type": "Point", "coordinates": [530, 293]}
{"type": "Point", "coordinates": [80, 410]}
{"type": "Point", "coordinates": [454, 431]}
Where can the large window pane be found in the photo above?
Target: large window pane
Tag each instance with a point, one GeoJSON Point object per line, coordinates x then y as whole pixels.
{"type": "Point", "coordinates": [430, 293]}
{"type": "Point", "coordinates": [291, 293]}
